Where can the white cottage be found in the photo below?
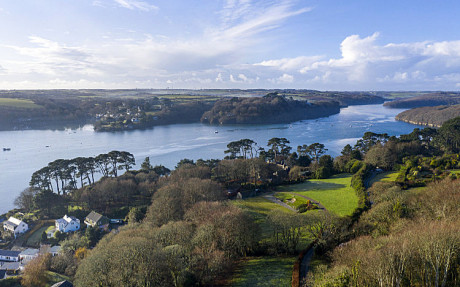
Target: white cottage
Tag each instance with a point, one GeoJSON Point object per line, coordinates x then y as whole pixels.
{"type": "Point", "coordinates": [16, 226]}
{"type": "Point", "coordinates": [28, 254]}
{"type": "Point", "coordinates": [67, 224]}
{"type": "Point", "coordinates": [9, 255]}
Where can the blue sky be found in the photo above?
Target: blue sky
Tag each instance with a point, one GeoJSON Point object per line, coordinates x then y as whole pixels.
{"type": "Point", "coordinates": [323, 44]}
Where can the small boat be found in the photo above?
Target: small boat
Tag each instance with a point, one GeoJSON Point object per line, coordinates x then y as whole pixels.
{"type": "Point", "coordinates": [216, 132]}
{"type": "Point", "coordinates": [6, 149]}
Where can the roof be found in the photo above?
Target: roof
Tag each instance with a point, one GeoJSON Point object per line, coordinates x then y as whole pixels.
{"type": "Point", "coordinates": [2, 274]}
{"type": "Point", "coordinates": [95, 217]}
{"type": "Point", "coordinates": [9, 253]}
{"type": "Point", "coordinates": [10, 265]}
{"type": "Point", "coordinates": [29, 251]}
{"type": "Point", "coordinates": [15, 220]}
{"type": "Point", "coordinates": [64, 283]}
{"type": "Point", "coordinates": [55, 249]}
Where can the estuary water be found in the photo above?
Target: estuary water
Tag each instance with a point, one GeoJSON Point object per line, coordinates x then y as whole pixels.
{"type": "Point", "coordinates": [166, 145]}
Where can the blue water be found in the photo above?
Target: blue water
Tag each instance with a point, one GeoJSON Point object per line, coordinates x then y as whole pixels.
{"type": "Point", "coordinates": [34, 149]}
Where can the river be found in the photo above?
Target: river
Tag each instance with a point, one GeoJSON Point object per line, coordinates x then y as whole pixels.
{"type": "Point", "coordinates": [34, 149]}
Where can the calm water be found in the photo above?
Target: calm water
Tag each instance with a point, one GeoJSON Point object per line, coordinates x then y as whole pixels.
{"type": "Point", "coordinates": [34, 149]}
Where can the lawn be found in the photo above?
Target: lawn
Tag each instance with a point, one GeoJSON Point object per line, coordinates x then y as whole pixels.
{"type": "Point", "coordinates": [287, 198]}
{"type": "Point", "coordinates": [18, 103]}
{"type": "Point", "coordinates": [335, 193]}
{"type": "Point", "coordinates": [259, 208]}
{"type": "Point", "coordinates": [264, 271]}
{"type": "Point", "coordinates": [36, 237]}
{"type": "Point", "coordinates": [388, 176]}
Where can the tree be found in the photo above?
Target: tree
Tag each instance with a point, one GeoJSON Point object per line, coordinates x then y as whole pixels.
{"type": "Point", "coordinates": [279, 146]}
{"type": "Point", "coordinates": [34, 274]}
{"type": "Point", "coordinates": [448, 135]}
{"type": "Point", "coordinates": [146, 166]}
{"type": "Point", "coordinates": [25, 199]}
{"type": "Point", "coordinates": [315, 150]}
{"type": "Point", "coordinates": [134, 216]}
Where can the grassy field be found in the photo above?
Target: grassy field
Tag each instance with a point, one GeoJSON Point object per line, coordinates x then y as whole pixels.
{"type": "Point", "coordinates": [18, 103]}
{"type": "Point", "coordinates": [385, 176]}
{"type": "Point", "coordinates": [264, 271]}
{"type": "Point", "coordinates": [334, 193]}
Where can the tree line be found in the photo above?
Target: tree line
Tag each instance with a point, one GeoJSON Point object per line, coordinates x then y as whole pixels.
{"type": "Point", "coordinates": [63, 175]}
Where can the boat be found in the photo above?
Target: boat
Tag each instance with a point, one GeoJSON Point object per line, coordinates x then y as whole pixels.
{"type": "Point", "coordinates": [6, 149]}
{"type": "Point", "coordinates": [216, 132]}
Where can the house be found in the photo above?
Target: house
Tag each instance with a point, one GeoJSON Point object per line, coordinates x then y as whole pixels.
{"type": "Point", "coordinates": [95, 219]}
{"type": "Point", "coordinates": [28, 254]}
{"type": "Point", "coordinates": [16, 226]}
{"type": "Point", "coordinates": [64, 283]}
{"type": "Point", "coordinates": [11, 268]}
{"type": "Point", "coordinates": [67, 224]}
{"type": "Point", "coordinates": [46, 248]}
{"type": "Point", "coordinates": [9, 255]}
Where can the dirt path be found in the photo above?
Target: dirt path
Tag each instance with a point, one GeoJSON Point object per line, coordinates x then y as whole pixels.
{"type": "Point", "coordinates": [277, 201]}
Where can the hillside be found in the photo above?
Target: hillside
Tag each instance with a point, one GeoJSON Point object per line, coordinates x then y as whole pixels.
{"type": "Point", "coordinates": [429, 116]}
{"type": "Point", "coordinates": [429, 100]}
{"type": "Point", "coordinates": [267, 109]}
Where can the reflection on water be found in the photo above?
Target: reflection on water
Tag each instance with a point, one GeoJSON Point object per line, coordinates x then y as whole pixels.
{"type": "Point", "coordinates": [33, 149]}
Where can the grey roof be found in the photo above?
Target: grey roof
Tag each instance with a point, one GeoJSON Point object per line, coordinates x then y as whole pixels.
{"type": "Point", "coordinates": [9, 253]}
{"type": "Point", "coordinates": [55, 249]}
{"type": "Point", "coordinates": [10, 265]}
{"type": "Point", "coordinates": [64, 283]}
{"type": "Point", "coordinates": [30, 251]}
{"type": "Point", "coordinates": [94, 216]}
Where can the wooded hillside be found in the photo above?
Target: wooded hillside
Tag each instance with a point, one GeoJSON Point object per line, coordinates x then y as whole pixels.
{"type": "Point", "coordinates": [430, 100]}
{"type": "Point", "coordinates": [267, 109]}
{"type": "Point", "coordinates": [430, 116]}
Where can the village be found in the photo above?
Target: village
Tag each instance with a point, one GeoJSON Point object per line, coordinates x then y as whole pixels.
{"type": "Point", "coordinates": [22, 242]}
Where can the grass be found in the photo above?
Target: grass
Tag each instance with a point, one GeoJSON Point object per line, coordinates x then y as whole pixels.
{"type": "Point", "coordinates": [388, 176]}
{"type": "Point", "coordinates": [259, 208]}
{"type": "Point", "coordinates": [18, 103]}
{"type": "Point", "coordinates": [335, 193]}
{"type": "Point", "coordinates": [287, 197]}
{"type": "Point", "coordinates": [54, 278]}
{"type": "Point", "coordinates": [264, 271]}
{"type": "Point", "coordinates": [35, 238]}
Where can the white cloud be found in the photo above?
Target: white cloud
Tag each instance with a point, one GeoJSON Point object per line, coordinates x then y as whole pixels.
{"type": "Point", "coordinates": [136, 5]}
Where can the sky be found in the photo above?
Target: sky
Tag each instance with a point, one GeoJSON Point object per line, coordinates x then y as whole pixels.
{"type": "Point", "coordinates": [241, 44]}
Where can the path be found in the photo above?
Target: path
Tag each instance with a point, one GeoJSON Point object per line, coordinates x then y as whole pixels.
{"type": "Point", "coordinates": [305, 264]}
{"type": "Point", "coordinates": [277, 201]}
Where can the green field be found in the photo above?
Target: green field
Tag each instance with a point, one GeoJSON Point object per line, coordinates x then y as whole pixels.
{"type": "Point", "coordinates": [335, 193]}
{"type": "Point", "coordinates": [54, 278]}
{"type": "Point", "coordinates": [264, 271]}
{"type": "Point", "coordinates": [18, 103]}
{"type": "Point", "coordinates": [388, 176]}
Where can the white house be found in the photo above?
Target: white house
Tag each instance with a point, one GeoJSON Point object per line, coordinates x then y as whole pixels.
{"type": "Point", "coordinates": [15, 226]}
{"type": "Point", "coordinates": [28, 254]}
{"type": "Point", "coordinates": [9, 255]}
{"type": "Point", "coordinates": [67, 224]}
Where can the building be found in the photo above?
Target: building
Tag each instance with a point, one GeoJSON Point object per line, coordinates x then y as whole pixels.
{"type": "Point", "coordinates": [67, 224]}
{"type": "Point", "coordinates": [46, 248]}
{"type": "Point", "coordinates": [28, 254]}
{"type": "Point", "coordinates": [95, 219]}
{"type": "Point", "coordinates": [9, 255]}
{"type": "Point", "coordinates": [15, 226]}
